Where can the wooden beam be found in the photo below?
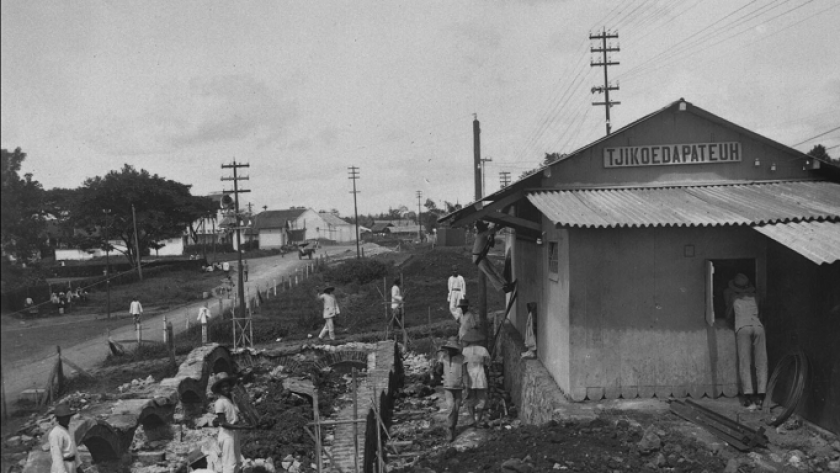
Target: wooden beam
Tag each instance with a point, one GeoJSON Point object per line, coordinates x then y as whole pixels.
{"type": "Point", "coordinates": [494, 207]}
{"type": "Point", "coordinates": [513, 222]}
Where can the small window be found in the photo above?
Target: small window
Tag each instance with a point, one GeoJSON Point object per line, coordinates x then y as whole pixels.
{"type": "Point", "coordinates": [553, 258]}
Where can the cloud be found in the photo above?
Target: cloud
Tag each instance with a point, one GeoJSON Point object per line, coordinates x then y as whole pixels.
{"type": "Point", "coordinates": [204, 110]}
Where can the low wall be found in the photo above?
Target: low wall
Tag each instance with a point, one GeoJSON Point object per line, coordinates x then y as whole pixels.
{"type": "Point", "coordinates": [383, 378]}
{"type": "Point", "coordinates": [533, 390]}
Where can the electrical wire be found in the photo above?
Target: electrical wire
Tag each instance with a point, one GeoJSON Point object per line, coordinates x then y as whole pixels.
{"type": "Point", "coordinates": [817, 136]}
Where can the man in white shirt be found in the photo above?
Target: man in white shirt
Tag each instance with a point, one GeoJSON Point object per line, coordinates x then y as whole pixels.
{"type": "Point", "coordinates": [457, 290]}
{"type": "Point", "coordinates": [135, 309]}
{"type": "Point", "coordinates": [203, 318]}
{"type": "Point", "coordinates": [397, 303]}
{"type": "Point", "coordinates": [227, 420]}
{"type": "Point", "coordinates": [65, 456]}
{"type": "Point", "coordinates": [330, 311]}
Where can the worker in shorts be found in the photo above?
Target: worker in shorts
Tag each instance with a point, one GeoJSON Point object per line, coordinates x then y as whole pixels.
{"type": "Point", "coordinates": [449, 368]}
{"type": "Point", "coordinates": [476, 363]}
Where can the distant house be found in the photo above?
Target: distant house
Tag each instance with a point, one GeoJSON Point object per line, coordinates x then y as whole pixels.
{"type": "Point", "coordinates": [275, 228]}
{"type": "Point", "coordinates": [405, 231]}
{"type": "Point", "coordinates": [381, 228]}
{"type": "Point", "coordinates": [334, 228]}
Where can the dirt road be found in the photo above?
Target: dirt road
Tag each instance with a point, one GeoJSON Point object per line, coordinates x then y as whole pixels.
{"type": "Point", "coordinates": [93, 350]}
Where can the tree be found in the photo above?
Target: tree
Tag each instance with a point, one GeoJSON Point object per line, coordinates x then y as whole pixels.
{"type": "Point", "coordinates": [820, 153]}
{"type": "Point", "coordinates": [23, 219]}
{"type": "Point", "coordinates": [164, 208]}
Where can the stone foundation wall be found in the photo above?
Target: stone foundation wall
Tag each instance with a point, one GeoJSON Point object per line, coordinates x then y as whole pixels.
{"type": "Point", "coordinates": [529, 383]}
{"type": "Point", "coordinates": [380, 364]}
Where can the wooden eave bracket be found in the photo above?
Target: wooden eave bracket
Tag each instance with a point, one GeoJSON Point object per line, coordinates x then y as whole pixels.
{"type": "Point", "coordinates": [521, 225]}
{"type": "Point", "coordinates": [492, 208]}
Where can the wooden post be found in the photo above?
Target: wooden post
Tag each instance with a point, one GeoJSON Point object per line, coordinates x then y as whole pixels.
{"type": "Point", "coordinates": [137, 332]}
{"type": "Point", "coordinates": [275, 287]}
{"type": "Point", "coordinates": [165, 335]}
{"type": "Point", "coordinates": [3, 394]}
{"type": "Point", "coordinates": [355, 424]}
{"type": "Point", "coordinates": [317, 428]}
{"type": "Point", "coordinates": [59, 370]}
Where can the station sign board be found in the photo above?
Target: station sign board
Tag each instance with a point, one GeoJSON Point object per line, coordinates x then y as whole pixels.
{"type": "Point", "coordinates": [672, 154]}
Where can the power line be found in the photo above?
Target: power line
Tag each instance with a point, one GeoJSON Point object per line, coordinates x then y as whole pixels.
{"type": "Point", "coordinates": [817, 136]}
{"type": "Point", "coordinates": [670, 58]}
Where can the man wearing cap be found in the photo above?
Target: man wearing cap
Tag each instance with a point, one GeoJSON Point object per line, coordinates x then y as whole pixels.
{"type": "Point", "coordinates": [457, 290]}
{"type": "Point", "coordinates": [330, 311]}
{"type": "Point", "coordinates": [476, 361]}
{"type": "Point", "coordinates": [467, 320]}
{"type": "Point", "coordinates": [65, 457]}
{"type": "Point", "coordinates": [742, 306]}
{"type": "Point", "coordinates": [197, 462]}
{"type": "Point", "coordinates": [450, 368]}
{"type": "Point", "coordinates": [227, 416]}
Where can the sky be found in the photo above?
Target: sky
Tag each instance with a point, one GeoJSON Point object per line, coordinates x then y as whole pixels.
{"type": "Point", "coordinates": [301, 91]}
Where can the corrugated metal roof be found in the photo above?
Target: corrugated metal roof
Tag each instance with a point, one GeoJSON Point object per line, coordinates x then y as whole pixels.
{"type": "Point", "coordinates": [711, 205]}
{"type": "Point", "coordinates": [817, 241]}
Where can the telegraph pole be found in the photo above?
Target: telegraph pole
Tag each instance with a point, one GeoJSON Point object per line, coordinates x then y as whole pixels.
{"type": "Point", "coordinates": [504, 178]}
{"type": "Point", "coordinates": [354, 174]}
{"type": "Point", "coordinates": [137, 243]}
{"type": "Point", "coordinates": [479, 192]}
{"type": "Point", "coordinates": [236, 190]}
{"type": "Point", "coordinates": [605, 62]}
{"type": "Point", "coordinates": [107, 263]}
{"type": "Point", "coordinates": [419, 220]}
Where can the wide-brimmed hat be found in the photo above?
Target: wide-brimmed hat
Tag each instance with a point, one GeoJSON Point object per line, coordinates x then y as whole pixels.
{"type": "Point", "coordinates": [195, 456]}
{"type": "Point", "coordinates": [455, 268]}
{"type": "Point", "coordinates": [741, 284]}
{"type": "Point", "coordinates": [329, 288]}
{"type": "Point", "coordinates": [464, 302]}
{"type": "Point", "coordinates": [472, 336]}
{"type": "Point", "coordinates": [451, 344]}
{"type": "Point", "coordinates": [222, 379]}
{"type": "Point", "coordinates": [63, 410]}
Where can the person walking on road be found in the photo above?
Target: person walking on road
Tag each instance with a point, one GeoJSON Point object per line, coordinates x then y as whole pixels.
{"type": "Point", "coordinates": [397, 301]}
{"type": "Point", "coordinates": [65, 456]}
{"type": "Point", "coordinates": [227, 418]}
{"type": "Point", "coordinates": [330, 311]}
{"type": "Point", "coordinates": [136, 310]}
{"type": "Point", "coordinates": [450, 370]}
{"type": "Point", "coordinates": [457, 290]}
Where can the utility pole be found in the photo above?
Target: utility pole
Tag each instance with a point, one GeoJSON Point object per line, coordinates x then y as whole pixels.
{"type": "Point", "coordinates": [484, 162]}
{"type": "Point", "coordinates": [354, 174]}
{"type": "Point", "coordinates": [107, 263]}
{"type": "Point", "coordinates": [236, 190]}
{"type": "Point", "coordinates": [479, 192]}
{"type": "Point", "coordinates": [477, 157]}
{"type": "Point", "coordinates": [605, 62]}
{"type": "Point", "coordinates": [419, 220]}
{"type": "Point", "coordinates": [137, 243]}
{"type": "Point", "coordinates": [504, 178]}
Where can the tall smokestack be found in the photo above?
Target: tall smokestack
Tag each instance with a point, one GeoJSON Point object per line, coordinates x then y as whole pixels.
{"type": "Point", "coordinates": [477, 157]}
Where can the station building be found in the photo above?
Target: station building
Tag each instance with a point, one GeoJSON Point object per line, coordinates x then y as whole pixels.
{"type": "Point", "coordinates": [627, 244]}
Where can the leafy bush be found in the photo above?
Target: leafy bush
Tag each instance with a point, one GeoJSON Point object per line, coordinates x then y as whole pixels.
{"type": "Point", "coordinates": [360, 271]}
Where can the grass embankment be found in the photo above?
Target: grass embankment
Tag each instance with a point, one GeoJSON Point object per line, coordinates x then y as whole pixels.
{"type": "Point", "coordinates": [295, 313]}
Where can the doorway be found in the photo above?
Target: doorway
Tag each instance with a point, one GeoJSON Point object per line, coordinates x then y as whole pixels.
{"type": "Point", "coordinates": [719, 273]}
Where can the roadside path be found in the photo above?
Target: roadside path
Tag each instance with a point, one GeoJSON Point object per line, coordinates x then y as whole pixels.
{"type": "Point", "coordinates": [92, 352]}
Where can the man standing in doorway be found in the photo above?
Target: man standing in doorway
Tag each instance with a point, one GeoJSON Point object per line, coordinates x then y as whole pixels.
{"type": "Point", "coordinates": [135, 309]}
{"type": "Point", "coordinates": [457, 290]}
{"type": "Point", "coordinates": [742, 306]}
